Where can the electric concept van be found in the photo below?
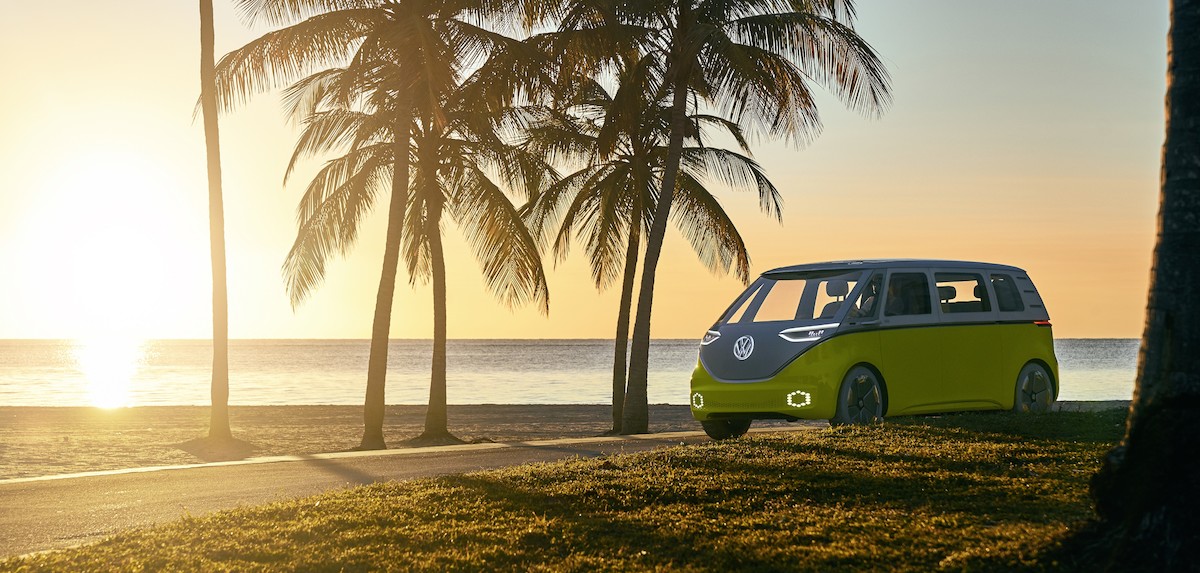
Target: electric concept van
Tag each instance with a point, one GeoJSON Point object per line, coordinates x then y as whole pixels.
{"type": "Point", "coordinates": [854, 341]}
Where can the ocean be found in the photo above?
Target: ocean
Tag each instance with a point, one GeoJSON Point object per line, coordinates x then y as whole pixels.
{"type": "Point", "coordinates": [115, 373]}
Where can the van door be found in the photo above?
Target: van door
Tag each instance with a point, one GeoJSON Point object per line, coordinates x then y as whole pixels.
{"type": "Point", "coordinates": [909, 343]}
{"type": "Point", "coordinates": [972, 342]}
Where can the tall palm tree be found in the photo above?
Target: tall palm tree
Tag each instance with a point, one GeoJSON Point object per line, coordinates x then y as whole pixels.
{"type": "Point", "coordinates": [1146, 493]}
{"type": "Point", "coordinates": [403, 56]}
{"type": "Point", "coordinates": [754, 61]}
{"type": "Point", "coordinates": [218, 425]}
{"type": "Point", "coordinates": [619, 139]}
{"type": "Point", "coordinates": [452, 149]}
{"type": "Point", "coordinates": [457, 162]}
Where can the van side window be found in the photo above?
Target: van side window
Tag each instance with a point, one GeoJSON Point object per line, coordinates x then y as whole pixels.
{"type": "Point", "coordinates": [907, 294]}
{"type": "Point", "coordinates": [1008, 298]}
{"type": "Point", "coordinates": [962, 292]}
{"type": "Point", "coordinates": [868, 305]}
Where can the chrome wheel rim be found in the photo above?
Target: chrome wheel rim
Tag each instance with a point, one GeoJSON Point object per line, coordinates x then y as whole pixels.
{"type": "Point", "coordinates": [864, 403]}
{"type": "Point", "coordinates": [1033, 391]}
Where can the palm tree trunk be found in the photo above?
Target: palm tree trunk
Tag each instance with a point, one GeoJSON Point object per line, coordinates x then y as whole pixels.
{"type": "Point", "coordinates": [1147, 492]}
{"type": "Point", "coordinates": [621, 341]}
{"type": "Point", "coordinates": [636, 417]}
{"type": "Point", "coordinates": [218, 425]}
{"type": "Point", "coordinates": [373, 405]}
{"type": "Point", "coordinates": [435, 414]}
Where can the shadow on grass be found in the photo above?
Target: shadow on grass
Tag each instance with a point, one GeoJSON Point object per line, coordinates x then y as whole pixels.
{"type": "Point", "coordinates": [984, 496]}
{"type": "Point", "coordinates": [971, 492]}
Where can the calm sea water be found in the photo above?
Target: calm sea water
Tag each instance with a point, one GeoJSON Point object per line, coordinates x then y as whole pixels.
{"type": "Point", "coordinates": [176, 372]}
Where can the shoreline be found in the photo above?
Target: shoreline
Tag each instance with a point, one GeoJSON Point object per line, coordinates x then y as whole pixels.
{"type": "Point", "coordinates": [48, 440]}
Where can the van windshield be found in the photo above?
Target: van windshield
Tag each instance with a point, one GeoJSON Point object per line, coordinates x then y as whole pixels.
{"type": "Point", "coordinates": [804, 296]}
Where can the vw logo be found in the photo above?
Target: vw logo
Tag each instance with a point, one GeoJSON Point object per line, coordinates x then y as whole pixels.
{"type": "Point", "coordinates": [743, 347]}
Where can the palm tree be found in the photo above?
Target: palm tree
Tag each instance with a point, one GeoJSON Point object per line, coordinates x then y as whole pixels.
{"type": "Point", "coordinates": [1146, 492]}
{"type": "Point", "coordinates": [456, 162]}
{"type": "Point", "coordinates": [403, 57]}
{"type": "Point", "coordinates": [753, 60]}
{"type": "Point", "coordinates": [608, 202]}
{"type": "Point", "coordinates": [218, 425]}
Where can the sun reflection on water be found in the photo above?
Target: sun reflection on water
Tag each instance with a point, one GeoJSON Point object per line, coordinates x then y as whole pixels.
{"type": "Point", "coordinates": [108, 365]}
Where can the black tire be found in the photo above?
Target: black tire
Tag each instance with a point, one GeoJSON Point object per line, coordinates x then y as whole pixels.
{"type": "Point", "coordinates": [860, 399]}
{"type": "Point", "coordinates": [1034, 390]}
{"type": "Point", "coordinates": [725, 429]}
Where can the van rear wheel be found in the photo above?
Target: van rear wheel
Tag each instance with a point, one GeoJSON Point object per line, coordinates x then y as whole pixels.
{"type": "Point", "coordinates": [1035, 390]}
{"type": "Point", "coordinates": [725, 429]}
{"type": "Point", "coordinates": [860, 399]}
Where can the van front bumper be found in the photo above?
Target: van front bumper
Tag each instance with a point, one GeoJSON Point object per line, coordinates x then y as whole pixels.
{"type": "Point", "coordinates": [783, 396]}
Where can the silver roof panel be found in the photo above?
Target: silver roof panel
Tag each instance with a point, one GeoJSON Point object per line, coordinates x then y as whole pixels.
{"type": "Point", "coordinates": [890, 263]}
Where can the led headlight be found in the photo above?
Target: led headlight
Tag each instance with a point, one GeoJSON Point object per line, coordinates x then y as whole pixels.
{"type": "Point", "coordinates": [710, 337]}
{"type": "Point", "coordinates": [799, 399]}
{"type": "Point", "coordinates": [698, 401]}
{"type": "Point", "coordinates": [807, 333]}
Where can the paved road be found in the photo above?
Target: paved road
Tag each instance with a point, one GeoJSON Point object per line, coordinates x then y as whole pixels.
{"type": "Point", "coordinates": [38, 514]}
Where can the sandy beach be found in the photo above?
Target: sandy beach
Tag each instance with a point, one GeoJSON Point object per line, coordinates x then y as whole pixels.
{"type": "Point", "coordinates": [47, 441]}
{"type": "Point", "coordinates": [37, 441]}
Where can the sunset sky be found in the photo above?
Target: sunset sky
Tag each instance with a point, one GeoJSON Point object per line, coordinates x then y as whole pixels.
{"type": "Point", "coordinates": [1022, 132]}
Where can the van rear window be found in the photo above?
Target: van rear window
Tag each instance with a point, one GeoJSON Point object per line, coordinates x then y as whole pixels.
{"type": "Point", "coordinates": [1008, 297]}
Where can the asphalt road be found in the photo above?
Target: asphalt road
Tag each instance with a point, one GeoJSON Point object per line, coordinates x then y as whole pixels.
{"type": "Point", "coordinates": [39, 514]}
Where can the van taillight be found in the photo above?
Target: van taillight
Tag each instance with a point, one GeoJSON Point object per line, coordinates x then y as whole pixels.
{"type": "Point", "coordinates": [1042, 322]}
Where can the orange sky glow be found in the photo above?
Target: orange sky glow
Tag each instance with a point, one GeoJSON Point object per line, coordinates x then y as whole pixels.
{"type": "Point", "coordinates": [1025, 133]}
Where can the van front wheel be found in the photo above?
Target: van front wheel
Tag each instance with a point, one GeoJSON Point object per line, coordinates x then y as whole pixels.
{"type": "Point", "coordinates": [1035, 391]}
{"type": "Point", "coordinates": [725, 429]}
{"type": "Point", "coordinates": [860, 399]}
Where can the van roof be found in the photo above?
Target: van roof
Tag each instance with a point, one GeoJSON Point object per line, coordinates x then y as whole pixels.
{"type": "Point", "coordinates": [891, 263]}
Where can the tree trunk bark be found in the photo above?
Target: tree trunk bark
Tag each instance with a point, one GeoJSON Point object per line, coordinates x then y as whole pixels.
{"type": "Point", "coordinates": [218, 426]}
{"type": "Point", "coordinates": [621, 341]}
{"type": "Point", "coordinates": [636, 417]}
{"type": "Point", "coordinates": [1147, 492]}
{"type": "Point", "coordinates": [435, 414]}
{"type": "Point", "coordinates": [373, 405]}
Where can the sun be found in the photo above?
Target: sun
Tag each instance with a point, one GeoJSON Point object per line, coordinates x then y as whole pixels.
{"type": "Point", "coordinates": [116, 247]}
{"type": "Point", "coordinates": [108, 366]}
{"type": "Point", "coordinates": [113, 252]}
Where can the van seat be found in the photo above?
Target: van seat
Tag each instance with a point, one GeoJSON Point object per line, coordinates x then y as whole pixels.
{"type": "Point", "coordinates": [970, 306]}
{"type": "Point", "coordinates": [946, 293]}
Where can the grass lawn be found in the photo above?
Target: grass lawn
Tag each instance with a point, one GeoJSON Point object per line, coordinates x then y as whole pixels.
{"type": "Point", "coordinates": [988, 491]}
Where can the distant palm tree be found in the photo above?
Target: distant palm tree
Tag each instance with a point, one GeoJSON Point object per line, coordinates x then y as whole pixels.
{"type": "Point", "coordinates": [455, 149]}
{"type": "Point", "coordinates": [620, 142]}
{"type": "Point", "coordinates": [1146, 492]}
{"type": "Point", "coordinates": [403, 57]}
{"type": "Point", "coordinates": [752, 60]}
{"type": "Point", "coordinates": [457, 163]}
{"type": "Point", "coordinates": [218, 425]}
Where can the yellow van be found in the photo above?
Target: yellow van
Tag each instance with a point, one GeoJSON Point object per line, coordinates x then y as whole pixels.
{"type": "Point", "coordinates": [854, 341]}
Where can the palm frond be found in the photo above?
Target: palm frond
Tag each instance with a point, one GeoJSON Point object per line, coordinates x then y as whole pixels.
{"type": "Point", "coordinates": [507, 253]}
{"type": "Point", "coordinates": [334, 174]}
{"type": "Point", "coordinates": [334, 204]}
{"type": "Point", "coordinates": [827, 49]}
{"type": "Point", "coordinates": [736, 171]}
{"type": "Point", "coordinates": [283, 56]}
{"type": "Point", "coordinates": [326, 132]}
{"type": "Point", "coordinates": [286, 12]}
{"type": "Point", "coordinates": [706, 226]}
{"type": "Point", "coordinates": [307, 95]}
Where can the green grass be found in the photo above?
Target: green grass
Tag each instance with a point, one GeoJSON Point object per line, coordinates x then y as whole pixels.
{"type": "Point", "coordinates": [967, 491]}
